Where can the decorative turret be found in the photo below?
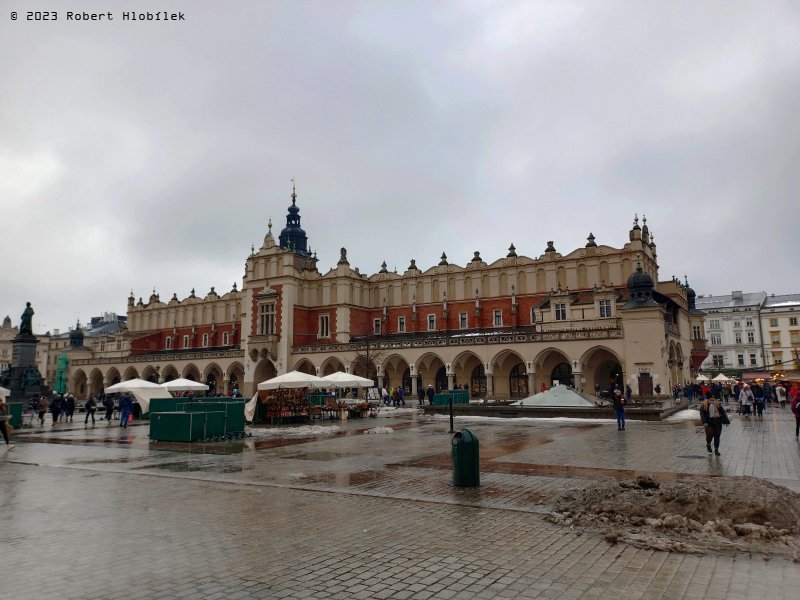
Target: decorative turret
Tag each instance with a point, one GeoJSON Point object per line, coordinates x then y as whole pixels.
{"type": "Point", "coordinates": [292, 236]}
{"type": "Point", "coordinates": [383, 268]}
{"type": "Point", "coordinates": [591, 243]}
{"type": "Point", "coordinates": [76, 337]}
{"type": "Point", "coordinates": [131, 300]}
{"type": "Point", "coordinates": [691, 295]}
{"type": "Point", "coordinates": [512, 252]}
{"type": "Point", "coordinates": [645, 230]}
{"type": "Point", "coordinates": [443, 261]}
{"type": "Point", "coordinates": [550, 247]}
{"type": "Point", "coordinates": [342, 257]}
{"type": "Point", "coordinates": [413, 265]}
{"type": "Point", "coordinates": [269, 240]}
{"type": "Point", "coordinates": [234, 289]}
{"type": "Point", "coordinates": [640, 286]}
{"type": "Point", "coordinates": [636, 232]}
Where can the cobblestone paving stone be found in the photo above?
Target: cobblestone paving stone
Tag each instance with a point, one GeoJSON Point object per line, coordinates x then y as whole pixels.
{"type": "Point", "coordinates": [100, 513]}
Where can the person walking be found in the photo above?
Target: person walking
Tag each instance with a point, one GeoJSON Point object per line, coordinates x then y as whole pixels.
{"type": "Point", "coordinates": [33, 406]}
{"type": "Point", "coordinates": [429, 394]}
{"type": "Point", "coordinates": [385, 395]}
{"type": "Point", "coordinates": [402, 390]}
{"type": "Point", "coordinates": [4, 412]}
{"type": "Point", "coordinates": [628, 394]}
{"type": "Point", "coordinates": [396, 397]}
{"type": "Point", "coordinates": [421, 395]}
{"type": "Point", "coordinates": [108, 404]}
{"type": "Point", "coordinates": [69, 407]}
{"type": "Point", "coordinates": [780, 395]}
{"type": "Point", "coordinates": [125, 408]}
{"type": "Point", "coordinates": [90, 407]}
{"type": "Point", "coordinates": [55, 408]}
{"type": "Point", "coordinates": [619, 409]}
{"type": "Point", "coordinates": [713, 417]}
{"type": "Point", "coordinates": [746, 400]}
{"type": "Point", "coordinates": [42, 410]}
{"type": "Point", "coordinates": [796, 410]}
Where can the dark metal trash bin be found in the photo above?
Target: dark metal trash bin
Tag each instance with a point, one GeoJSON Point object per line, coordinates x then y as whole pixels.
{"type": "Point", "coordinates": [466, 459]}
{"type": "Point", "coordinates": [15, 410]}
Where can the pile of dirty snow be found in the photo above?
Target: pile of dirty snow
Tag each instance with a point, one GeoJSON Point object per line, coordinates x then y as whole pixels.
{"type": "Point", "coordinates": [689, 414]}
{"type": "Point", "coordinates": [303, 430]}
{"type": "Point", "coordinates": [380, 430]}
{"type": "Point", "coordinates": [718, 514]}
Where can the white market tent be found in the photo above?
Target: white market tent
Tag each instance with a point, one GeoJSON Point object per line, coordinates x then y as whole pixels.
{"type": "Point", "coordinates": [722, 378]}
{"type": "Point", "coordinates": [184, 385]}
{"type": "Point", "coordinates": [345, 380]}
{"type": "Point", "coordinates": [142, 390]}
{"type": "Point", "coordinates": [702, 378]}
{"type": "Point", "coordinates": [293, 379]}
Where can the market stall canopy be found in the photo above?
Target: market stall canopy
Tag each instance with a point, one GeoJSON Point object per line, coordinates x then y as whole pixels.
{"type": "Point", "coordinates": [131, 385]}
{"type": "Point", "coordinates": [702, 378]}
{"type": "Point", "coordinates": [293, 379]}
{"type": "Point", "coordinates": [343, 380]}
{"type": "Point", "coordinates": [142, 390]}
{"type": "Point", "coordinates": [184, 385]}
{"type": "Point", "coordinates": [723, 378]}
{"type": "Point", "coordinates": [4, 392]}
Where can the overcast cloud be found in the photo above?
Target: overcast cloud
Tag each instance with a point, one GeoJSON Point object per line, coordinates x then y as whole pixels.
{"type": "Point", "coordinates": [136, 155]}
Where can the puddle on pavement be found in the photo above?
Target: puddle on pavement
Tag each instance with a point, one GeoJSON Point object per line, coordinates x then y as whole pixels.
{"type": "Point", "coordinates": [194, 467]}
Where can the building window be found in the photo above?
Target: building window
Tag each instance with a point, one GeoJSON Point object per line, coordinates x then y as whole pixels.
{"type": "Point", "coordinates": [205, 340]}
{"type": "Point", "coordinates": [401, 324]}
{"type": "Point", "coordinates": [462, 320]}
{"type": "Point", "coordinates": [324, 326]}
{"type": "Point", "coordinates": [266, 318]}
{"type": "Point", "coordinates": [751, 337]}
{"type": "Point", "coordinates": [777, 359]}
{"type": "Point", "coordinates": [775, 338]}
{"type": "Point", "coordinates": [718, 359]}
{"type": "Point", "coordinates": [605, 308]}
{"type": "Point", "coordinates": [716, 339]}
{"type": "Point", "coordinates": [561, 312]}
{"type": "Point", "coordinates": [795, 337]}
{"type": "Point", "coordinates": [186, 341]}
{"type": "Point", "coordinates": [713, 324]}
{"type": "Point", "coordinates": [793, 321]}
{"type": "Point", "coordinates": [119, 345]}
{"type": "Point", "coordinates": [169, 343]}
{"type": "Point", "coordinates": [737, 323]}
{"type": "Point", "coordinates": [753, 359]}
{"type": "Point", "coordinates": [102, 346]}
{"type": "Point", "coordinates": [696, 332]}
{"type": "Point", "coordinates": [773, 322]}
{"type": "Point", "coordinates": [738, 336]}
{"type": "Point", "coordinates": [749, 322]}
{"type": "Point", "coordinates": [498, 318]}
{"type": "Point", "coordinates": [376, 326]}
{"type": "Point", "coordinates": [431, 322]}
{"type": "Point", "coordinates": [533, 316]}
{"type": "Point", "coordinates": [225, 338]}
{"type": "Point", "coordinates": [740, 359]}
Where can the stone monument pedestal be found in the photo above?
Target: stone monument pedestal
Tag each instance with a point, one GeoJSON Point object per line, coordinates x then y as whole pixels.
{"type": "Point", "coordinates": [23, 378]}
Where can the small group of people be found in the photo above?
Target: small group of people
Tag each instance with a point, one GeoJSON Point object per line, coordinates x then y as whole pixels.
{"type": "Point", "coordinates": [393, 396]}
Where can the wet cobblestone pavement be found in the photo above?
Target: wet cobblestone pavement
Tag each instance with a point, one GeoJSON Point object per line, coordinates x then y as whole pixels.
{"type": "Point", "coordinates": [338, 513]}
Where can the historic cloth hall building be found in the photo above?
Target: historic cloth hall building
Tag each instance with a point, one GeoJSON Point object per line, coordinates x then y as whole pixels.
{"type": "Point", "coordinates": [595, 315]}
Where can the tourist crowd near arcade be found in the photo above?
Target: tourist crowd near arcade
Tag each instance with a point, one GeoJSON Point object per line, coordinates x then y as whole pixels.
{"type": "Point", "coordinates": [503, 327]}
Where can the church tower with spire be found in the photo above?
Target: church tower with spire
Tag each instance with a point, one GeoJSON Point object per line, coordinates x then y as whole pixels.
{"type": "Point", "coordinates": [293, 237]}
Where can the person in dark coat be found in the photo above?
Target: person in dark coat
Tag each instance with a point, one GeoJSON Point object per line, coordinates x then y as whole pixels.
{"type": "Point", "coordinates": [125, 408]}
{"type": "Point", "coordinates": [421, 395]}
{"type": "Point", "coordinates": [619, 409]}
{"type": "Point", "coordinates": [429, 394]}
{"type": "Point", "coordinates": [713, 416]}
{"type": "Point", "coordinates": [69, 407]}
{"type": "Point", "coordinates": [108, 404]}
{"type": "Point", "coordinates": [55, 408]}
{"type": "Point", "coordinates": [90, 407]}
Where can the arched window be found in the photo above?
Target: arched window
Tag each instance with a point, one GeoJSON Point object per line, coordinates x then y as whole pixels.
{"type": "Point", "coordinates": [518, 381]}
{"type": "Point", "coordinates": [562, 373]}
{"type": "Point", "coordinates": [477, 385]}
{"type": "Point", "coordinates": [441, 379]}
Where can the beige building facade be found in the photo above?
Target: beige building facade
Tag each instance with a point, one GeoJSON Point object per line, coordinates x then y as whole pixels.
{"type": "Point", "coordinates": [503, 328]}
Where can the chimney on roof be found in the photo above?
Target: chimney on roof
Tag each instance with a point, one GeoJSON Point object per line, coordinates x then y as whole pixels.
{"type": "Point", "coordinates": [737, 295]}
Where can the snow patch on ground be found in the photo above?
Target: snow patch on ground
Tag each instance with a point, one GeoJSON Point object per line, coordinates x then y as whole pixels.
{"type": "Point", "coordinates": [506, 420]}
{"type": "Point", "coordinates": [302, 430]}
{"type": "Point", "coordinates": [390, 411]}
{"type": "Point", "coordinates": [380, 430]}
{"type": "Point", "coordinates": [689, 414]}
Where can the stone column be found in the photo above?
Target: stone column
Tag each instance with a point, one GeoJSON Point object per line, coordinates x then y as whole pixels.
{"type": "Point", "coordinates": [531, 382]}
{"type": "Point", "coordinates": [576, 378]}
{"type": "Point", "coordinates": [450, 381]}
{"type": "Point", "coordinates": [413, 386]}
{"type": "Point", "coordinates": [489, 380]}
{"type": "Point", "coordinates": [380, 382]}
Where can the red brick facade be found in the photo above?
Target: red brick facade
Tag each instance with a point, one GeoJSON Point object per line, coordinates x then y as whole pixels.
{"type": "Point", "coordinates": [157, 341]}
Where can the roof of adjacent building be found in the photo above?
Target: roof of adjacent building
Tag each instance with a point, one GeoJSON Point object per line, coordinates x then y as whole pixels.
{"type": "Point", "coordinates": [782, 301]}
{"type": "Point", "coordinates": [728, 300]}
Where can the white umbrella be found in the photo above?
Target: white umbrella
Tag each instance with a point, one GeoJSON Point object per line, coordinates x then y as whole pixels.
{"type": "Point", "coordinates": [132, 385]}
{"type": "Point", "coordinates": [721, 377]}
{"type": "Point", "coordinates": [293, 379]}
{"type": "Point", "coordinates": [4, 392]}
{"type": "Point", "coordinates": [701, 378]}
{"type": "Point", "coordinates": [344, 380]}
{"type": "Point", "coordinates": [184, 385]}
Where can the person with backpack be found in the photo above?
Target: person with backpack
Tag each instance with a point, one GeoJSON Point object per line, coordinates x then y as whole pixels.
{"type": "Point", "coordinates": [713, 417]}
{"type": "Point", "coordinates": [746, 399]}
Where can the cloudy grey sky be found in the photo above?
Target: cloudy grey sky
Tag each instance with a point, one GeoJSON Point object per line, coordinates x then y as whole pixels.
{"type": "Point", "coordinates": [136, 155]}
